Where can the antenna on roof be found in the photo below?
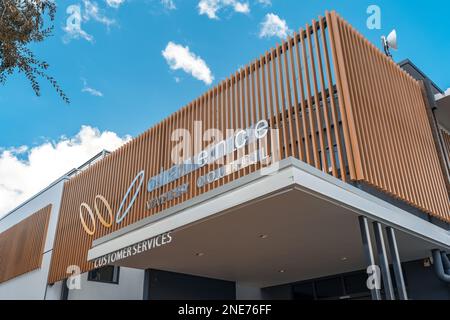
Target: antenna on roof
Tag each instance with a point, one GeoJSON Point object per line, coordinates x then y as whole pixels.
{"type": "Point", "coordinates": [389, 42]}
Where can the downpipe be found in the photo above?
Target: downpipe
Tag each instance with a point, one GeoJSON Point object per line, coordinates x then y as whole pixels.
{"type": "Point", "coordinates": [441, 265]}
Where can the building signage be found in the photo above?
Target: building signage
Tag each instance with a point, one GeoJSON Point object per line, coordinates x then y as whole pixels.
{"type": "Point", "coordinates": [223, 148]}
{"type": "Point", "coordinates": [168, 196]}
{"type": "Point", "coordinates": [130, 251]}
{"type": "Point", "coordinates": [245, 161]}
{"type": "Point", "coordinates": [210, 155]}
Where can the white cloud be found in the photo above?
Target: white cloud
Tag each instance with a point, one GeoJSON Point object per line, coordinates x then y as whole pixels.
{"type": "Point", "coordinates": [91, 11]}
{"type": "Point", "coordinates": [241, 7]}
{"type": "Point", "coordinates": [179, 57]}
{"type": "Point", "coordinates": [73, 28]}
{"type": "Point", "coordinates": [272, 26]}
{"type": "Point", "coordinates": [211, 7]}
{"type": "Point", "coordinates": [169, 4]}
{"type": "Point", "coordinates": [115, 3]}
{"type": "Point", "coordinates": [37, 167]}
{"type": "Point", "coordinates": [17, 150]}
{"type": "Point", "coordinates": [265, 3]}
{"type": "Point", "coordinates": [90, 90]}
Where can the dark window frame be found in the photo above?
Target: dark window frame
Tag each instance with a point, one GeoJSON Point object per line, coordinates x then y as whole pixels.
{"type": "Point", "coordinates": [115, 275]}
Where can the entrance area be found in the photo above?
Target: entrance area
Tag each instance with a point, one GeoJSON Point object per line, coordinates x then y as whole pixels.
{"type": "Point", "coordinates": [289, 245]}
{"type": "Point", "coordinates": [420, 280]}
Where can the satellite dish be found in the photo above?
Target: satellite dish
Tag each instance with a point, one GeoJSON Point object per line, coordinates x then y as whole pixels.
{"type": "Point", "coordinates": [390, 42]}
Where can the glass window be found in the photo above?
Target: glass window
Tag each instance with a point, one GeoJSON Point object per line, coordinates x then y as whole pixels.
{"type": "Point", "coordinates": [107, 274]}
{"type": "Point", "coordinates": [329, 288]}
{"type": "Point", "coordinates": [356, 283]}
{"type": "Point", "coordinates": [303, 291]}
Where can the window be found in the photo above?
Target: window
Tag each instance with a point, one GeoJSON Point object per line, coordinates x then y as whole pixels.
{"type": "Point", "coordinates": [329, 288]}
{"type": "Point", "coordinates": [349, 286]}
{"type": "Point", "coordinates": [108, 274]}
{"type": "Point", "coordinates": [303, 291]}
{"type": "Point", "coordinates": [356, 283]}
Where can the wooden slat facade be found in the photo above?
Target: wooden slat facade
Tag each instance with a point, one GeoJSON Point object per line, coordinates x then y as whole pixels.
{"type": "Point", "coordinates": [446, 141]}
{"type": "Point", "coordinates": [269, 87]}
{"type": "Point", "coordinates": [314, 89]}
{"type": "Point", "coordinates": [22, 245]}
{"type": "Point", "coordinates": [389, 131]}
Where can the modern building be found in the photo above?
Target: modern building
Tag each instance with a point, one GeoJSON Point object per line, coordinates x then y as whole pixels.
{"type": "Point", "coordinates": [318, 171]}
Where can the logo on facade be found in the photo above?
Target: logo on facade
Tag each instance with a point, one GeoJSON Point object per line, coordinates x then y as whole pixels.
{"type": "Point", "coordinates": [218, 151]}
{"type": "Point", "coordinates": [121, 212]}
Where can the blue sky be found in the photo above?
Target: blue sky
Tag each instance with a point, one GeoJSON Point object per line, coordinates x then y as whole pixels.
{"type": "Point", "coordinates": [119, 72]}
{"type": "Point", "coordinates": [125, 61]}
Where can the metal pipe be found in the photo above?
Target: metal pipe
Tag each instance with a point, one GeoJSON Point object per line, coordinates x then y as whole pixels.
{"type": "Point", "coordinates": [384, 262]}
{"type": "Point", "coordinates": [446, 262]}
{"type": "Point", "coordinates": [368, 251]}
{"type": "Point", "coordinates": [439, 267]}
{"type": "Point", "coordinates": [396, 262]}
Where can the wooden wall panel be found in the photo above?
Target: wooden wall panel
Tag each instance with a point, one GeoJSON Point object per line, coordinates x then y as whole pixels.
{"type": "Point", "coordinates": [281, 86]}
{"type": "Point", "coordinates": [390, 139]}
{"type": "Point", "coordinates": [22, 245]}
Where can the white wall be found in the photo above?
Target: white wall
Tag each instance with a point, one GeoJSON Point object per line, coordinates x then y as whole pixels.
{"type": "Point", "coordinates": [54, 291]}
{"type": "Point", "coordinates": [50, 196]}
{"type": "Point", "coordinates": [33, 285]}
{"type": "Point", "coordinates": [130, 287]}
{"type": "Point", "coordinates": [29, 286]}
